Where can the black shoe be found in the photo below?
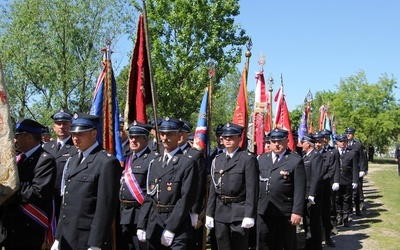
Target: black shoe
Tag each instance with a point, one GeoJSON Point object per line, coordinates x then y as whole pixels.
{"type": "Point", "coordinates": [330, 242]}
{"type": "Point", "coordinates": [358, 213]}
{"type": "Point", "coordinates": [346, 223]}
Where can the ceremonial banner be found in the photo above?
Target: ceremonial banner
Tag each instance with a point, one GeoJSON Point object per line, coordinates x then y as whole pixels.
{"type": "Point", "coordinates": [105, 105]}
{"type": "Point", "coordinates": [240, 115]}
{"type": "Point", "coordinates": [138, 87]}
{"type": "Point", "coordinates": [303, 126]}
{"type": "Point", "coordinates": [259, 121]}
{"type": "Point", "coordinates": [200, 140]}
{"type": "Point", "coordinates": [282, 119]}
{"type": "Point", "coordinates": [9, 181]}
{"type": "Point", "coordinates": [322, 116]}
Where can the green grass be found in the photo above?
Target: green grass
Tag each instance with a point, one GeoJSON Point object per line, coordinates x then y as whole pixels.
{"type": "Point", "coordinates": [384, 202]}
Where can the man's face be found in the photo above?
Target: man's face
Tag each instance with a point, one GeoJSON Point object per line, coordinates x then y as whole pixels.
{"type": "Point", "coordinates": [170, 140]}
{"type": "Point", "coordinates": [122, 134]}
{"type": "Point", "coordinates": [46, 137]}
{"type": "Point", "coordinates": [267, 147]}
{"type": "Point", "coordinates": [279, 146]}
{"type": "Point", "coordinates": [83, 140]}
{"type": "Point", "coordinates": [319, 145]}
{"type": "Point", "coordinates": [305, 145]}
{"type": "Point", "coordinates": [342, 144]}
{"type": "Point", "coordinates": [183, 138]}
{"type": "Point", "coordinates": [137, 142]}
{"type": "Point", "coordinates": [23, 142]}
{"type": "Point", "coordinates": [350, 136]}
{"type": "Point", "coordinates": [232, 142]}
{"type": "Point", "coordinates": [62, 129]}
{"type": "Point", "coordinates": [326, 140]}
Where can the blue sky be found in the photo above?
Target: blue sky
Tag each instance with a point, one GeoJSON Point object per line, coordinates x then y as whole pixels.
{"type": "Point", "coordinates": [315, 43]}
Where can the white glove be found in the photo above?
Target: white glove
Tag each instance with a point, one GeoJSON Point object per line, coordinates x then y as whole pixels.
{"type": "Point", "coordinates": [247, 222]}
{"type": "Point", "coordinates": [141, 235]}
{"type": "Point", "coordinates": [167, 237]}
{"type": "Point", "coordinates": [354, 185]}
{"type": "Point", "coordinates": [55, 245]}
{"type": "Point", "coordinates": [311, 199]}
{"type": "Point", "coordinates": [94, 248]}
{"type": "Point", "coordinates": [194, 218]}
{"type": "Point", "coordinates": [361, 174]}
{"type": "Point", "coordinates": [209, 222]}
{"type": "Point", "coordinates": [335, 187]}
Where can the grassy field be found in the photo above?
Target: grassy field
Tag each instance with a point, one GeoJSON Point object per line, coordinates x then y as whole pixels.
{"type": "Point", "coordinates": [383, 200]}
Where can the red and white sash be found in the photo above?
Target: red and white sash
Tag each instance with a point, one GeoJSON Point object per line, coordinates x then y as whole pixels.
{"type": "Point", "coordinates": [131, 181]}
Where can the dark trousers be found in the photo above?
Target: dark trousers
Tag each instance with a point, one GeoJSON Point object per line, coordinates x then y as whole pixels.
{"type": "Point", "coordinates": [213, 239]}
{"type": "Point", "coordinates": [129, 239]}
{"type": "Point", "coordinates": [326, 207]}
{"type": "Point", "coordinates": [231, 236]}
{"type": "Point", "coordinates": [275, 233]}
{"type": "Point", "coordinates": [312, 225]}
{"type": "Point", "coordinates": [358, 194]}
{"type": "Point", "coordinates": [196, 242]}
{"type": "Point", "coordinates": [344, 200]}
{"type": "Point", "coordinates": [177, 244]}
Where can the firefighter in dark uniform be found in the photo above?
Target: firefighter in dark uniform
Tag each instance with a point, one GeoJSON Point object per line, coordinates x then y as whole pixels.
{"type": "Point", "coordinates": [61, 149]}
{"type": "Point", "coordinates": [313, 165]}
{"type": "Point", "coordinates": [172, 180]}
{"type": "Point", "coordinates": [357, 146]}
{"type": "Point", "coordinates": [331, 164]}
{"type": "Point", "coordinates": [345, 181]}
{"type": "Point", "coordinates": [196, 242]}
{"type": "Point", "coordinates": [37, 174]}
{"type": "Point", "coordinates": [232, 201]}
{"type": "Point", "coordinates": [133, 184]}
{"type": "Point", "coordinates": [281, 201]}
{"type": "Point", "coordinates": [90, 191]}
{"type": "Point", "coordinates": [397, 157]}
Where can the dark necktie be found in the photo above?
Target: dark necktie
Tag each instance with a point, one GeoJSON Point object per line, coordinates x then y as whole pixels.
{"type": "Point", "coordinates": [276, 159]}
{"type": "Point", "coordinates": [78, 161]}
{"type": "Point", "coordinates": [228, 157]}
{"type": "Point", "coordinates": [165, 162]}
{"type": "Point", "coordinates": [58, 146]}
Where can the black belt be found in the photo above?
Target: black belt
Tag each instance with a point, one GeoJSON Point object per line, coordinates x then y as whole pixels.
{"type": "Point", "coordinates": [129, 204]}
{"type": "Point", "coordinates": [231, 199]}
{"type": "Point", "coordinates": [163, 208]}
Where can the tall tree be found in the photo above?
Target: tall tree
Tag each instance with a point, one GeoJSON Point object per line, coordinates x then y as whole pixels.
{"type": "Point", "coordinates": [184, 36]}
{"type": "Point", "coordinates": [50, 51]}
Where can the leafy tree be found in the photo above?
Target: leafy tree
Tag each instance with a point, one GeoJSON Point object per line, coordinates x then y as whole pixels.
{"type": "Point", "coordinates": [184, 36]}
{"type": "Point", "coordinates": [50, 51]}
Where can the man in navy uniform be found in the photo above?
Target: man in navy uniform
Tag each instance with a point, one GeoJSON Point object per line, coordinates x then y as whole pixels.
{"type": "Point", "coordinates": [46, 136]}
{"type": "Point", "coordinates": [124, 137]}
{"type": "Point", "coordinates": [232, 202]}
{"type": "Point", "coordinates": [37, 173]}
{"type": "Point", "coordinates": [90, 191]}
{"type": "Point", "coordinates": [357, 146]}
{"type": "Point", "coordinates": [282, 191]}
{"type": "Point", "coordinates": [61, 149]}
{"type": "Point", "coordinates": [313, 199]}
{"type": "Point", "coordinates": [331, 160]}
{"type": "Point", "coordinates": [196, 242]}
{"type": "Point", "coordinates": [133, 184]}
{"type": "Point", "coordinates": [171, 184]}
{"type": "Point", "coordinates": [345, 181]}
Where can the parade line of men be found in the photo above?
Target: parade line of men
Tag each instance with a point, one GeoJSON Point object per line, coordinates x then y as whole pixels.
{"type": "Point", "coordinates": [75, 195]}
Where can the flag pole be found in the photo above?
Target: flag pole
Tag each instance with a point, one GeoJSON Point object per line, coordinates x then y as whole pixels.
{"type": "Point", "coordinates": [271, 82]}
{"type": "Point", "coordinates": [249, 46]}
{"type": "Point", "coordinates": [152, 85]}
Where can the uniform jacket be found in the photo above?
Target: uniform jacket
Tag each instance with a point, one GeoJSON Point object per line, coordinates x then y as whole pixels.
{"type": "Point", "coordinates": [359, 151]}
{"type": "Point", "coordinates": [314, 172]}
{"type": "Point", "coordinates": [139, 168]}
{"type": "Point", "coordinates": [349, 168]}
{"type": "Point", "coordinates": [287, 185]}
{"type": "Point", "coordinates": [331, 163]}
{"type": "Point", "coordinates": [37, 174]}
{"type": "Point", "coordinates": [198, 156]}
{"type": "Point", "coordinates": [174, 185]}
{"type": "Point", "coordinates": [90, 200]}
{"type": "Point", "coordinates": [61, 158]}
{"type": "Point", "coordinates": [234, 178]}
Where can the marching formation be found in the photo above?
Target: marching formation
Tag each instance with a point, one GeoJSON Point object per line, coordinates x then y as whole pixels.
{"type": "Point", "coordinates": [75, 195]}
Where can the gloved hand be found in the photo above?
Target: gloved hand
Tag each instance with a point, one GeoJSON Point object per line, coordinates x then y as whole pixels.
{"type": "Point", "coordinates": [335, 187]}
{"type": "Point", "coordinates": [194, 218]}
{"type": "Point", "coordinates": [55, 245]}
{"type": "Point", "coordinates": [311, 199]}
{"type": "Point", "coordinates": [209, 222]}
{"type": "Point", "coordinates": [141, 235]}
{"type": "Point", "coordinates": [361, 174]}
{"type": "Point", "coordinates": [354, 185]}
{"type": "Point", "coordinates": [247, 222]}
{"type": "Point", "coordinates": [167, 237]}
{"type": "Point", "coordinates": [94, 248]}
